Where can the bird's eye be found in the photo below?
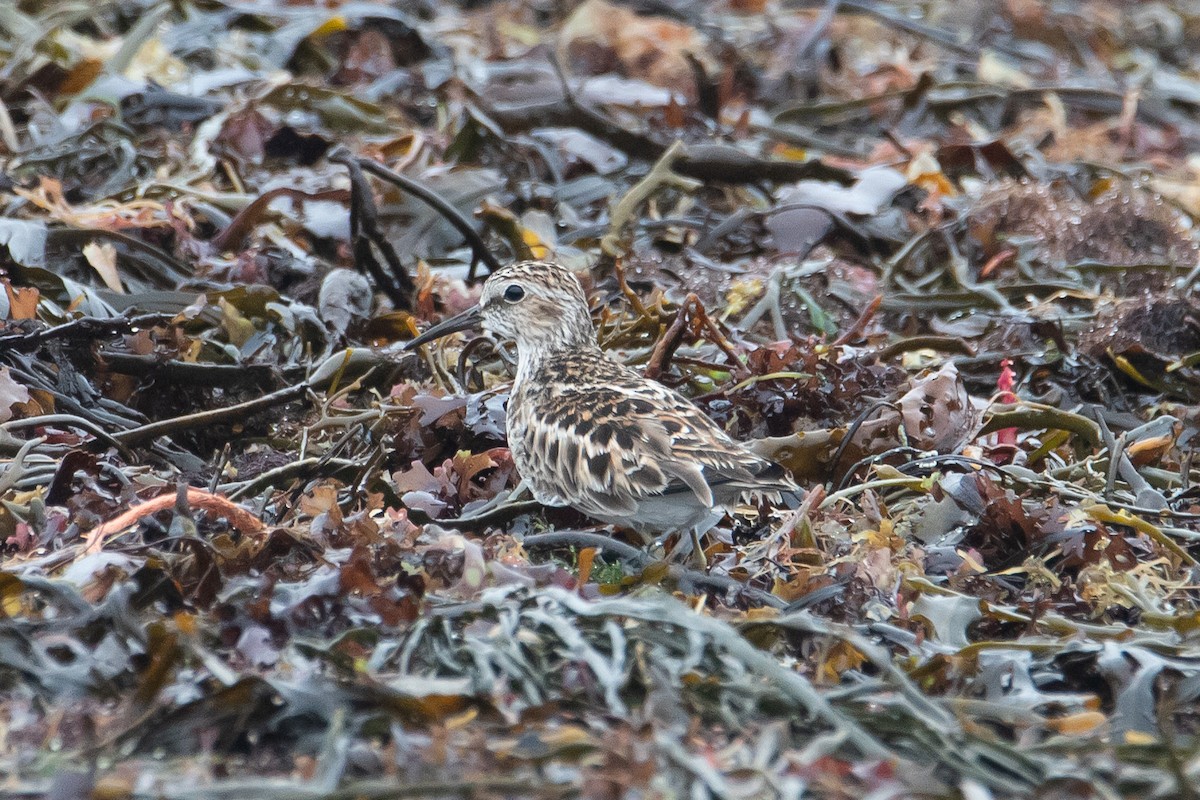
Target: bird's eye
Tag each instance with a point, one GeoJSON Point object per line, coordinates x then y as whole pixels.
{"type": "Point", "coordinates": [513, 293]}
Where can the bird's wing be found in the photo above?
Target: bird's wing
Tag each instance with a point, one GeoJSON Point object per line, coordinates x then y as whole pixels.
{"type": "Point", "coordinates": [621, 444]}
{"type": "Point", "coordinates": [592, 456]}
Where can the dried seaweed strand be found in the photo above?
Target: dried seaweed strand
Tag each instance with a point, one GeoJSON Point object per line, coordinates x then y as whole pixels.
{"type": "Point", "coordinates": [1035, 416]}
{"type": "Point", "coordinates": [659, 177]}
{"type": "Point", "coordinates": [478, 247]}
{"type": "Point", "coordinates": [215, 416]}
{"type": "Point", "coordinates": [215, 504]}
{"type": "Point", "coordinates": [664, 610]}
{"type": "Point", "coordinates": [365, 235]}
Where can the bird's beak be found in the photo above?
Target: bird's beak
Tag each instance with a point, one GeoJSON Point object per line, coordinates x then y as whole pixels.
{"type": "Point", "coordinates": [459, 322]}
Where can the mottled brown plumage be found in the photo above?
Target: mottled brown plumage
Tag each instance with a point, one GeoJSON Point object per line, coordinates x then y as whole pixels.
{"type": "Point", "coordinates": [590, 433]}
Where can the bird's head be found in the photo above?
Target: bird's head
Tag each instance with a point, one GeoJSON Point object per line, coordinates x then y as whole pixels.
{"type": "Point", "coordinates": [538, 304]}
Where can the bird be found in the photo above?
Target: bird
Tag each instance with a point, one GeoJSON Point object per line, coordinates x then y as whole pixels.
{"type": "Point", "coordinates": [588, 432]}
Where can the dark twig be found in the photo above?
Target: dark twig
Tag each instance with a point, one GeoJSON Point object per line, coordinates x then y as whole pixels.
{"type": "Point", "coordinates": [452, 215]}
{"type": "Point", "coordinates": [198, 373]}
{"type": "Point", "coordinates": [668, 343]}
{"type": "Point", "coordinates": [860, 324]}
{"type": "Point", "coordinates": [851, 432]}
{"type": "Point", "coordinates": [216, 416]}
{"type": "Point", "coordinates": [700, 316]}
{"type": "Point", "coordinates": [366, 236]}
{"type": "Point", "coordinates": [464, 356]}
{"type": "Point", "coordinates": [692, 310]}
{"type": "Point", "coordinates": [83, 328]}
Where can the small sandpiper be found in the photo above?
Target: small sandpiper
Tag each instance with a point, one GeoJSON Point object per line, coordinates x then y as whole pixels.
{"type": "Point", "coordinates": [588, 432]}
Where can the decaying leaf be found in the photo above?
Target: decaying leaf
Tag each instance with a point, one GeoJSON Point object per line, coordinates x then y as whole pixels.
{"type": "Point", "coordinates": [937, 412]}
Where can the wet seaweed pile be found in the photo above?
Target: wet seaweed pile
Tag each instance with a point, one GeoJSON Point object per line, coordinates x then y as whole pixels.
{"type": "Point", "coordinates": [938, 259]}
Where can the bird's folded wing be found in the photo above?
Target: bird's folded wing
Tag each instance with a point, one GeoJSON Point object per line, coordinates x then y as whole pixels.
{"type": "Point", "coordinates": [606, 450]}
{"type": "Point", "coordinates": [595, 467]}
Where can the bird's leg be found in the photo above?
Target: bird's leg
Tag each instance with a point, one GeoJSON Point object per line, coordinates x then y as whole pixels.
{"type": "Point", "coordinates": [699, 561]}
{"type": "Point", "coordinates": [689, 550]}
{"type": "Point", "coordinates": [682, 549]}
{"type": "Point", "coordinates": [658, 546]}
{"type": "Point", "coordinates": [518, 490]}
